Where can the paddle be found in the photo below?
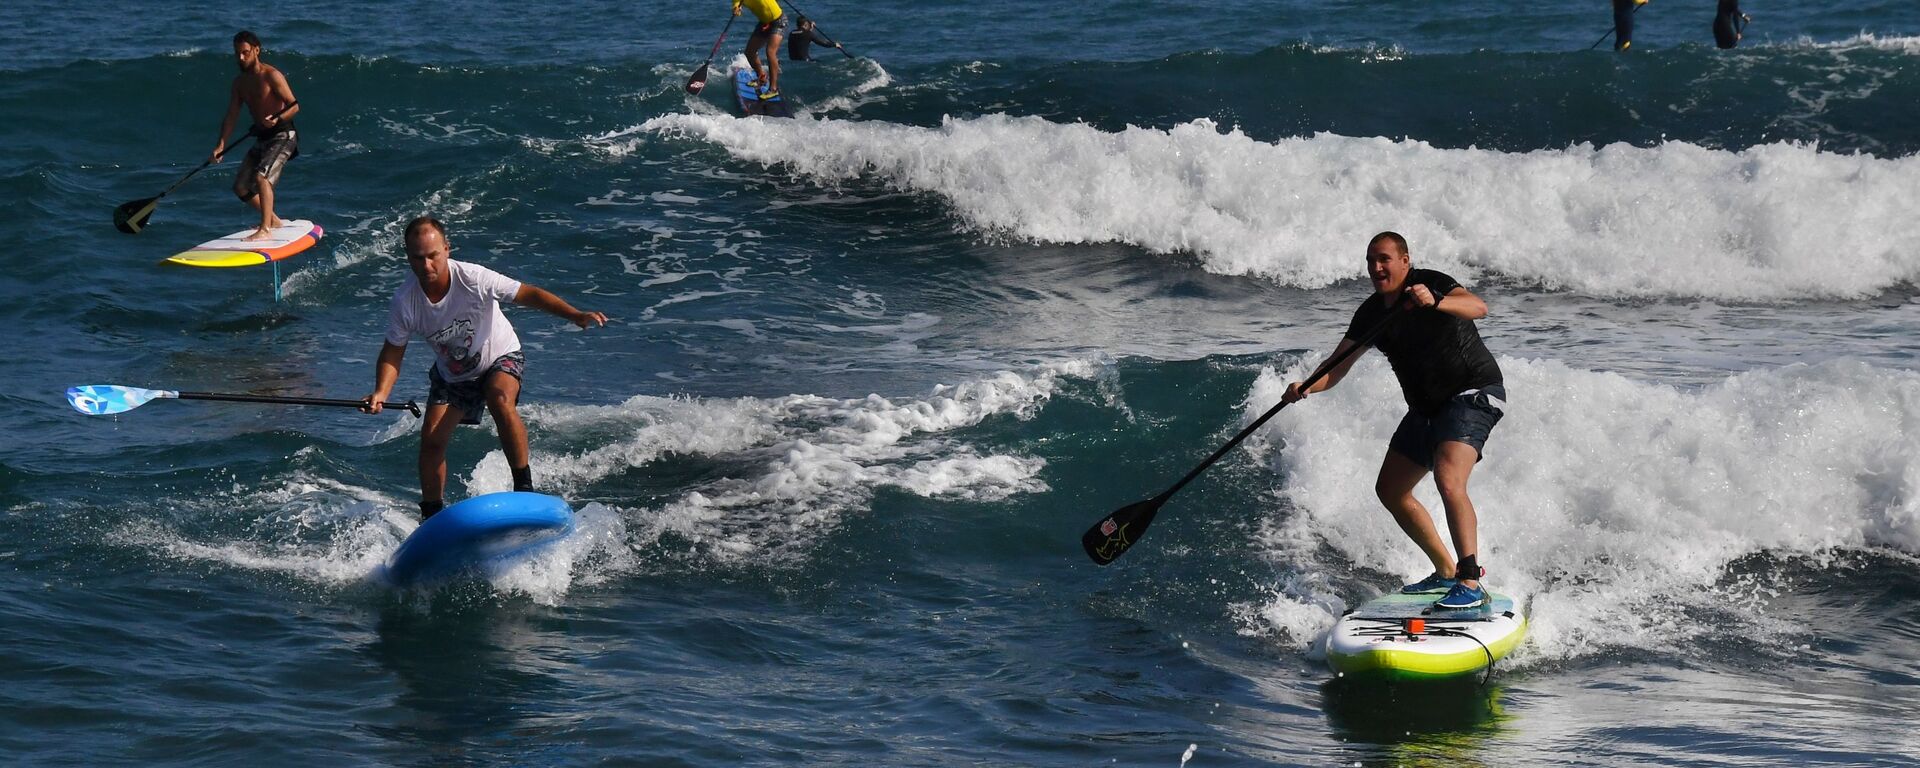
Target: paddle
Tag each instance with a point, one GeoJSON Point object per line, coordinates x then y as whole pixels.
{"type": "Point", "coordinates": [798, 11]}
{"type": "Point", "coordinates": [699, 79]}
{"type": "Point", "coordinates": [1110, 538]}
{"type": "Point", "coordinates": [103, 399]}
{"type": "Point", "coordinates": [132, 216]}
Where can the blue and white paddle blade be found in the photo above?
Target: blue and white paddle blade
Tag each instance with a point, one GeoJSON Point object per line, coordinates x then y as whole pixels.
{"type": "Point", "coordinates": [103, 399]}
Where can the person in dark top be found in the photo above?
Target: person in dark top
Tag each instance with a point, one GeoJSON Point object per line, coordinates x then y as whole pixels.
{"type": "Point", "coordinates": [1623, 11]}
{"type": "Point", "coordinates": [799, 46]}
{"type": "Point", "coordinates": [1729, 24]}
{"type": "Point", "coordinates": [1454, 395]}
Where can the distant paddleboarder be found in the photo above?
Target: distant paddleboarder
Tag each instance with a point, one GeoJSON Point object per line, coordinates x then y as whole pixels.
{"type": "Point", "coordinates": [455, 306]}
{"type": "Point", "coordinates": [1454, 393]}
{"type": "Point", "coordinates": [1729, 24]}
{"type": "Point", "coordinates": [270, 101]}
{"type": "Point", "coordinates": [805, 35]}
{"type": "Point", "coordinates": [772, 29]}
{"type": "Point", "coordinates": [1623, 22]}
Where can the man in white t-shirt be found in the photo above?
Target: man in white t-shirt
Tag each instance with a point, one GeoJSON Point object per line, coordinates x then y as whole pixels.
{"type": "Point", "coordinates": [455, 306]}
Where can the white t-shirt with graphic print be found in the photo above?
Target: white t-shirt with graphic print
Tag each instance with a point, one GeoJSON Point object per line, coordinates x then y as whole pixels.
{"type": "Point", "coordinates": [466, 328]}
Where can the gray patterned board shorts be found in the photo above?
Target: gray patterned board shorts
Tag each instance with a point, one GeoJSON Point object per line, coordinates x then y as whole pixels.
{"type": "Point", "coordinates": [268, 158]}
{"type": "Point", "coordinates": [470, 396]}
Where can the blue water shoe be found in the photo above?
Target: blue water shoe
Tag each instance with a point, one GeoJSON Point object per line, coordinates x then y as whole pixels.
{"type": "Point", "coordinates": [1462, 596]}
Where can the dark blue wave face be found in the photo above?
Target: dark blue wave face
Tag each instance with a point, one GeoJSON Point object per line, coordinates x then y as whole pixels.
{"type": "Point", "coordinates": [862, 394]}
{"type": "Point", "coordinates": [1510, 101]}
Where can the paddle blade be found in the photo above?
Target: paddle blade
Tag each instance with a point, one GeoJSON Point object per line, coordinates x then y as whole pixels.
{"type": "Point", "coordinates": [103, 399]}
{"type": "Point", "coordinates": [1110, 538]}
{"type": "Point", "coordinates": [132, 217]}
{"type": "Point", "coordinates": [698, 81]}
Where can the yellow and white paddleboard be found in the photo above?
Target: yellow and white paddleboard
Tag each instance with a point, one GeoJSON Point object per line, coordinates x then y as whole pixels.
{"type": "Point", "coordinates": [287, 240]}
{"type": "Point", "coordinates": [1404, 637]}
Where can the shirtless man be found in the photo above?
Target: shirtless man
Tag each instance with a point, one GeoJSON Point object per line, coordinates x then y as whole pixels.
{"type": "Point", "coordinates": [264, 90]}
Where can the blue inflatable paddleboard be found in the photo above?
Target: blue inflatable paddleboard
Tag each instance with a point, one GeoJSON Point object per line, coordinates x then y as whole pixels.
{"type": "Point", "coordinates": [749, 96]}
{"type": "Point", "coordinates": [484, 530]}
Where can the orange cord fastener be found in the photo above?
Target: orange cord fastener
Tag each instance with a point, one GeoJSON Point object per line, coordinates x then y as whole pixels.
{"type": "Point", "coordinates": [1416, 626]}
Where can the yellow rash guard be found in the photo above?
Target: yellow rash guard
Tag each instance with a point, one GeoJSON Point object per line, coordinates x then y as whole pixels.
{"type": "Point", "coordinates": [764, 10]}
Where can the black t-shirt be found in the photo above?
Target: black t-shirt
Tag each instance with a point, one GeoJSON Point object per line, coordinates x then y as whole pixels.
{"type": "Point", "coordinates": [1435, 355]}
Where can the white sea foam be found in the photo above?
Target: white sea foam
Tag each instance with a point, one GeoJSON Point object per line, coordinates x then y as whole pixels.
{"type": "Point", "coordinates": [1771, 222]}
{"type": "Point", "coordinates": [1896, 43]}
{"type": "Point", "coordinates": [796, 464]}
{"type": "Point", "coordinates": [1615, 506]}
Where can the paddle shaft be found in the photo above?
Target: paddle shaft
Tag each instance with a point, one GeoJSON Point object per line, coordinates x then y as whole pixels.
{"type": "Point", "coordinates": [816, 25]}
{"type": "Point", "coordinates": [1325, 368]}
{"type": "Point", "coordinates": [273, 399]}
{"type": "Point", "coordinates": [717, 41]}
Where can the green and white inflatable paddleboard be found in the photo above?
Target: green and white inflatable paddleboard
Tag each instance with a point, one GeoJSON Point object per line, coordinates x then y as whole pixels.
{"type": "Point", "coordinates": [1399, 637]}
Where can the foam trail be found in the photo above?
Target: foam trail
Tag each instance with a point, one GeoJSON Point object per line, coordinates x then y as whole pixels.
{"type": "Point", "coordinates": [317, 530]}
{"type": "Point", "coordinates": [797, 463]}
{"type": "Point", "coordinates": [1616, 505]}
{"type": "Point", "coordinates": [339, 536]}
{"type": "Point", "coordinates": [1772, 222]}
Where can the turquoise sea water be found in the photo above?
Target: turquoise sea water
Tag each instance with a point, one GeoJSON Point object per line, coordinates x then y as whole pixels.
{"type": "Point", "coordinates": [873, 371]}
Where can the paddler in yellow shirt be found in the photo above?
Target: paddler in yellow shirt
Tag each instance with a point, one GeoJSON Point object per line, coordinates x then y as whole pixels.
{"type": "Point", "coordinates": [768, 36]}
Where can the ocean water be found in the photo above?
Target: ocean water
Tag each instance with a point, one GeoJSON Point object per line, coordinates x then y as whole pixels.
{"type": "Point", "coordinates": [872, 371]}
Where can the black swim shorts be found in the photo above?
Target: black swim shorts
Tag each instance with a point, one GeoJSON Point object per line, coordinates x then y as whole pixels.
{"type": "Point", "coordinates": [1468, 418]}
{"type": "Point", "coordinates": [776, 27]}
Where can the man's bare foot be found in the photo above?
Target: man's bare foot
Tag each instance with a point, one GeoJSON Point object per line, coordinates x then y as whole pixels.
{"type": "Point", "coordinates": [259, 234]}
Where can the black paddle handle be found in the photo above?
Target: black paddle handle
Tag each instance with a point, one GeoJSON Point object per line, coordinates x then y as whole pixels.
{"type": "Point", "coordinates": [1325, 368]}
{"type": "Point", "coordinates": [410, 405]}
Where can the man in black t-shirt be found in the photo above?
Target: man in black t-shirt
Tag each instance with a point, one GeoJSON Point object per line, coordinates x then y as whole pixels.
{"type": "Point", "coordinates": [1454, 396]}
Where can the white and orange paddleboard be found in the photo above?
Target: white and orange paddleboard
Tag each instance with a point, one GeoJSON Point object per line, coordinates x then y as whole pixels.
{"type": "Point", "coordinates": [288, 240]}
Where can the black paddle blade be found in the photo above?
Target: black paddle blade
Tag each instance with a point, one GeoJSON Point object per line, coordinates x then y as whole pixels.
{"type": "Point", "coordinates": [1110, 538]}
{"type": "Point", "coordinates": [698, 81]}
{"type": "Point", "coordinates": [132, 217]}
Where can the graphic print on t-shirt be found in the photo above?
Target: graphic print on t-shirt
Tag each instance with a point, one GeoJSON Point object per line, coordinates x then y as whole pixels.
{"type": "Point", "coordinates": [454, 344]}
